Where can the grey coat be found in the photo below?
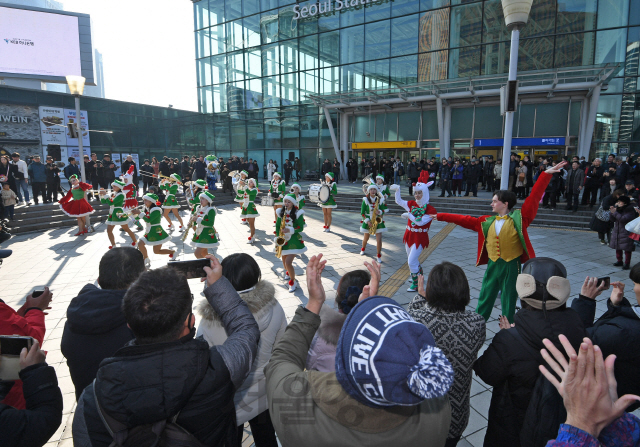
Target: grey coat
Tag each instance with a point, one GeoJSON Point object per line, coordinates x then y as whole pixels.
{"type": "Point", "coordinates": [578, 181]}
{"type": "Point", "coordinates": [620, 239]}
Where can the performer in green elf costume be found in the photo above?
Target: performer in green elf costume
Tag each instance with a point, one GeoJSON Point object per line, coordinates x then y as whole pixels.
{"type": "Point", "coordinates": [239, 185]}
{"type": "Point", "coordinates": [384, 190]}
{"type": "Point", "coordinates": [197, 187]}
{"type": "Point", "coordinates": [277, 190]}
{"type": "Point", "coordinates": [371, 210]}
{"type": "Point", "coordinates": [292, 219]}
{"type": "Point", "coordinates": [117, 216]}
{"type": "Point", "coordinates": [249, 211]}
{"type": "Point", "coordinates": [330, 204]}
{"type": "Point", "coordinates": [154, 234]}
{"type": "Point", "coordinates": [297, 191]}
{"type": "Point", "coordinates": [205, 236]}
{"type": "Point", "coordinates": [171, 204]}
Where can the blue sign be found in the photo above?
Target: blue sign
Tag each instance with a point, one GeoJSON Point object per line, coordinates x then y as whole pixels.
{"type": "Point", "coordinates": [499, 142]}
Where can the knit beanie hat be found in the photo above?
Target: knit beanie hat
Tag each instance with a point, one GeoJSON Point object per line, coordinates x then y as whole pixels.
{"type": "Point", "coordinates": [291, 198]}
{"type": "Point", "coordinates": [151, 198]}
{"type": "Point", "coordinates": [119, 184]}
{"type": "Point", "coordinates": [207, 196]}
{"type": "Point", "coordinates": [201, 184]}
{"type": "Point", "coordinates": [385, 358]}
{"type": "Point", "coordinates": [330, 175]}
{"type": "Point", "coordinates": [177, 178]}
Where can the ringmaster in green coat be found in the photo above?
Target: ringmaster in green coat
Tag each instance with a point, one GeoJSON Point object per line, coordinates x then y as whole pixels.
{"type": "Point", "coordinates": [503, 243]}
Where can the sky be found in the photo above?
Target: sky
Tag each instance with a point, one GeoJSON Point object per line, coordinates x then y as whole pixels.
{"type": "Point", "coordinates": [148, 49]}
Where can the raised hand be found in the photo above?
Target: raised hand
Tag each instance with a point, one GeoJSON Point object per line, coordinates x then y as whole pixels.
{"type": "Point", "coordinates": [214, 272]}
{"type": "Point", "coordinates": [372, 288]}
{"type": "Point", "coordinates": [556, 168]}
{"type": "Point", "coordinates": [317, 296]}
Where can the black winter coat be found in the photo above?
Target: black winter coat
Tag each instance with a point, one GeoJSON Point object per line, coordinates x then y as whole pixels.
{"type": "Point", "coordinates": [617, 332]}
{"type": "Point", "coordinates": [510, 366]}
{"type": "Point", "coordinates": [473, 173]}
{"type": "Point", "coordinates": [599, 225]}
{"type": "Point", "coordinates": [95, 330]}
{"type": "Point", "coordinates": [620, 239]}
{"type": "Point", "coordinates": [33, 426]}
{"type": "Point", "coordinates": [594, 176]}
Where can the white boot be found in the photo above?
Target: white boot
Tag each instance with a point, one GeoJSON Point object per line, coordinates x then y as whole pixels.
{"type": "Point", "coordinates": [293, 287]}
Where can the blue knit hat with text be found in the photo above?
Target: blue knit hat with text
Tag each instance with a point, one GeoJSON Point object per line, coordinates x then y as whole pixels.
{"type": "Point", "coordinates": [385, 358]}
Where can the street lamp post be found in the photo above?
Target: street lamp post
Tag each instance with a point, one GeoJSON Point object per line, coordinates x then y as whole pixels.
{"type": "Point", "coordinates": [516, 15]}
{"type": "Point", "coordinates": [76, 87]}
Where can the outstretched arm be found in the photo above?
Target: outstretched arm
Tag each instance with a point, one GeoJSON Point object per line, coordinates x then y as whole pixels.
{"type": "Point", "coordinates": [399, 201]}
{"type": "Point", "coordinates": [468, 222]}
{"type": "Point", "coordinates": [531, 204]}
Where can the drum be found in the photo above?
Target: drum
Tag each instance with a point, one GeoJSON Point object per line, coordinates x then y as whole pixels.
{"type": "Point", "coordinates": [314, 192]}
{"type": "Point", "coordinates": [266, 201]}
{"type": "Point", "coordinates": [324, 194]}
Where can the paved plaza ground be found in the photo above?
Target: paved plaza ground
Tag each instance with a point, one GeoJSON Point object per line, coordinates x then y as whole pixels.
{"type": "Point", "coordinates": [65, 263]}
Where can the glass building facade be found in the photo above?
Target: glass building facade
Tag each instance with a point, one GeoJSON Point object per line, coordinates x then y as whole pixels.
{"type": "Point", "coordinates": [258, 62]}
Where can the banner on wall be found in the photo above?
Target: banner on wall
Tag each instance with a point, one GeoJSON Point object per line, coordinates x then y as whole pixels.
{"type": "Point", "coordinates": [75, 152]}
{"type": "Point", "coordinates": [52, 126]}
{"type": "Point", "coordinates": [70, 117]}
{"type": "Point", "coordinates": [117, 160]}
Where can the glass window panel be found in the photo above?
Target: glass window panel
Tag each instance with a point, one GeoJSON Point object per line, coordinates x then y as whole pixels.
{"type": "Point", "coordinates": [404, 7]}
{"type": "Point", "coordinates": [251, 31]}
{"type": "Point", "coordinates": [461, 122]}
{"type": "Point", "coordinates": [238, 135]}
{"type": "Point", "coordinates": [430, 125]}
{"type": "Point", "coordinates": [615, 86]}
{"type": "Point", "coordinates": [408, 126]}
{"type": "Point", "coordinates": [404, 70]}
{"type": "Point", "coordinates": [535, 54]}
{"type": "Point", "coordinates": [232, 9]}
{"type": "Point", "coordinates": [308, 83]}
{"type": "Point", "coordinates": [488, 122]}
{"type": "Point", "coordinates": [218, 39]}
{"type": "Point", "coordinates": [377, 11]}
{"type": "Point", "coordinates": [205, 101]}
{"type": "Point", "coordinates": [306, 27]}
{"type": "Point", "coordinates": [201, 11]}
{"type": "Point", "coordinates": [235, 38]}
{"type": "Point", "coordinates": [288, 26]}
{"type": "Point", "coordinates": [331, 21]}
{"type": "Point", "coordinates": [376, 74]}
{"type": "Point", "coordinates": [433, 66]}
{"type": "Point", "coordinates": [404, 35]}
{"type": "Point", "coordinates": [265, 5]}
{"type": "Point", "coordinates": [612, 13]}
{"type": "Point", "coordinates": [426, 5]}
{"type": "Point", "coordinates": [574, 50]}
{"type": "Point", "coordinates": [493, 26]}
{"type": "Point", "coordinates": [329, 44]}
{"type": "Point", "coordinates": [551, 119]}
{"type": "Point", "coordinates": [634, 12]}
{"type": "Point", "coordinates": [351, 16]}
{"type": "Point", "coordinates": [272, 127]}
{"type": "Point", "coordinates": [204, 72]}
{"type": "Point", "coordinates": [626, 117]}
{"type": "Point", "coordinates": [608, 118]}
{"type": "Point", "coordinates": [250, 7]}
{"type": "Point", "coordinates": [633, 47]}
{"type": "Point", "coordinates": [270, 60]}
{"type": "Point", "coordinates": [380, 124]}
{"type": "Point", "coordinates": [219, 69]}
{"type": "Point", "coordinates": [434, 30]}
{"type": "Point", "coordinates": [253, 60]}
{"type": "Point", "coordinates": [364, 124]}
{"type": "Point", "coordinates": [466, 25]}
{"type": "Point", "coordinates": [542, 19]}
{"type": "Point", "coordinates": [271, 91]}
{"type": "Point", "coordinates": [203, 44]}
{"type": "Point", "coordinates": [235, 66]}
{"type": "Point", "coordinates": [219, 98]}
{"type": "Point", "coordinates": [289, 56]}
{"type": "Point", "coordinates": [290, 132]}
{"type": "Point", "coordinates": [253, 94]}
{"type": "Point", "coordinates": [308, 52]}
{"type": "Point", "coordinates": [351, 77]}
{"type": "Point", "coordinates": [289, 89]}
{"type": "Point", "coordinates": [464, 62]}
{"type": "Point", "coordinates": [574, 120]}
{"type": "Point", "coordinates": [576, 15]}
{"type": "Point", "coordinates": [495, 58]}
{"type": "Point", "coordinates": [269, 27]}
{"type": "Point", "coordinates": [629, 85]}
{"type": "Point", "coordinates": [611, 46]}
{"type": "Point", "coordinates": [329, 81]}
{"type": "Point", "coordinates": [377, 40]}
{"type": "Point", "coordinates": [309, 126]}
{"type": "Point", "coordinates": [351, 44]}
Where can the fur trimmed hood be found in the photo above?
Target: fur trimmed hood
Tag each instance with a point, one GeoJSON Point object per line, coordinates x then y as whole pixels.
{"type": "Point", "coordinates": [331, 322]}
{"type": "Point", "coordinates": [260, 300]}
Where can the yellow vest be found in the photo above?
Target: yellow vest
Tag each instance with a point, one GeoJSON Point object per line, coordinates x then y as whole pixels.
{"type": "Point", "coordinates": [507, 245]}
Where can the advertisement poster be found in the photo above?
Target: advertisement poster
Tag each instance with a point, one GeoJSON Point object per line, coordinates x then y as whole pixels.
{"type": "Point", "coordinates": [52, 126]}
{"type": "Point", "coordinates": [118, 162]}
{"type": "Point", "coordinates": [75, 152]}
{"type": "Point", "coordinates": [70, 117]}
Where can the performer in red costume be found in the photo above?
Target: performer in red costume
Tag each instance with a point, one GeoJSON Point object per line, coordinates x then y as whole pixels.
{"type": "Point", "coordinates": [416, 236]}
{"type": "Point", "coordinates": [131, 196]}
{"type": "Point", "coordinates": [74, 204]}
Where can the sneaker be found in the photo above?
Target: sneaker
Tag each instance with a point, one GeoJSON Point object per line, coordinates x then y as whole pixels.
{"type": "Point", "coordinates": [172, 257]}
{"type": "Point", "coordinates": [181, 229]}
{"type": "Point", "coordinates": [147, 263]}
{"type": "Point", "coordinates": [618, 264]}
{"type": "Point", "coordinates": [379, 260]}
{"type": "Point", "coordinates": [603, 242]}
{"type": "Point", "coordinates": [286, 276]}
{"type": "Point", "coordinates": [250, 241]}
{"type": "Point", "coordinates": [328, 230]}
{"type": "Point", "coordinates": [362, 252]}
{"type": "Point", "coordinates": [293, 285]}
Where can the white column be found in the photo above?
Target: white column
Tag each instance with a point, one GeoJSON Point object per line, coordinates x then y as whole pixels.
{"type": "Point", "coordinates": [447, 130]}
{"type": "Point", "coordinates": [332, 133]}
{"type": "Point", "coordinates": [440, 128]}
{"type": "Point", "coordinates": [591, 120]}
{"type": "Point", "coordinates": [344, 143]}
{"type": "Point", "coordinates": [81, 157]}
{"type": "Point", "coordinates": [508, 121]}
{"type": "Point", "coordinates": [582, 130]}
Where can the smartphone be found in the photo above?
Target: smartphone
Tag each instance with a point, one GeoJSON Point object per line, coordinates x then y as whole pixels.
{"type": "Point", "coordinates": [37, 291]}
{"type": "Point", "coordinates": [604, 279]}
{"type": "Point", "coordinates": [192, 269]}
{"type": "Point", "coordinates": [10, 348]}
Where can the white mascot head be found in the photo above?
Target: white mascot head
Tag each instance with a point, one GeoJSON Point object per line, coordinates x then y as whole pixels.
{"type": "Point", "coordinates": [423, 185]}
{"type": "Point", "coordinates": [127, 177]}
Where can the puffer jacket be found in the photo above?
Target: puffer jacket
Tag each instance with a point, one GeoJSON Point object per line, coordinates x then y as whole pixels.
{"type": "Point", "coordinates": [510, 366]}
{"type": "Point", "coordinates": [322, 353]}
{"type": "Point", "coordinates": [620, 239]}
{"type": "Point", "coordinates": [251, 397]}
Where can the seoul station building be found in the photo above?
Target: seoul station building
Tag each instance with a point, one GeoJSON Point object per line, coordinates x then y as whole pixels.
{"type": "Point", "coordinates": [361, 78]}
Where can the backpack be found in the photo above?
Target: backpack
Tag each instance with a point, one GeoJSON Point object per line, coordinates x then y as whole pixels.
{"type": "Point", "coordinates": [544, 416]}
{"type": "Point", "coordinates": [164, 433]}
{"type": "Point", "coordinates": [400, 170]}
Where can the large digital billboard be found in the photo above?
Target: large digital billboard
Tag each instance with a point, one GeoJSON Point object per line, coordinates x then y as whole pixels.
{"type": "Point", "coordinates": [39, 43]}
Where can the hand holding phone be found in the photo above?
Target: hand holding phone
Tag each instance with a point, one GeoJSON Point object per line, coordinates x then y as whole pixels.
{"type": "Point", "coordinates": [192, 269]}
{"type": "Point", "coordinates": [11, 349]}
{"type": "Point", "coordinates": [40, 297]}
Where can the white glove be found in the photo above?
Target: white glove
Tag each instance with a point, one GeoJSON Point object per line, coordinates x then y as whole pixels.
{"type": "Point", "coordinates": [394, 187]}
{"type": "Point", "coordinates": [286, 230]}
{"type": "Point", "coordinates": [409, 216]}
{"type": "Point", "coordinates": [367, 220]}
{"type": "Point", "coordinates": [379, 213]}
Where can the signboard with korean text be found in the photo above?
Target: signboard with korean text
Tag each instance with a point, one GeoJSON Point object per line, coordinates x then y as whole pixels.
{"type": "Point", "coordinates": [70, 117]}
{"type": "Point", "coordinates": [498, 142]}
{"type": "Point", "coordinates": [117, 160]}
{"type": "Point", "coordinates": [52, 126]}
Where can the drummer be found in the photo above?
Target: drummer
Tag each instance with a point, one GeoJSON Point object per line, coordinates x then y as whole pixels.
{"type": "Point", "coordinates": [277, 190]}
{"type": "Point", "coordinates": [330, 203]}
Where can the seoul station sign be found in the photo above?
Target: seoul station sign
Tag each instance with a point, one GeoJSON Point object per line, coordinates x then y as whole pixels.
{"type": "Point", "coordinates": [327, 6]}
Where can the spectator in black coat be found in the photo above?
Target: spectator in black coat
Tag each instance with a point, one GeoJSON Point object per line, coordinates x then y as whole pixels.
{"type": "Point", "coordinates": [73, 169]}
{"type": "Point", "coordinates": [33, 426]}
{"type": "Point", "coordinates": [336, 170]}
{"type": "Point", "coordinates": [288, 169]}
{"type": "Point", "coordinates": [352, 170]}
{"type": "Point", "coordinates": [165, 169]}
{"type": "Point", "coordinates": [622, 172]}
{"type": "Point", "coordinates": [510, 363]}
{"type": "Point", "coordinates": [326, 167]}
{"type": "Point", "coordinates": [147, 178]}
{"type": "Point", "coordinates": [185, 169]}
{"type": "Point", "coordinates": [200, 168]}
{"type": "Point", "coordinates": [53, 180]}
{"type": "Point", "coordinates": [473, 177]}
{"type": "Point", "coordinates": [593, 183]}
{"type": "Point", "coordinates": [108, 170]}
{"type": "Point", "coordinates": [95, 327]}
{"type": "Point", "coordinates": [413, 172]}
{"type": "Point", "coordinates": [617, 331]}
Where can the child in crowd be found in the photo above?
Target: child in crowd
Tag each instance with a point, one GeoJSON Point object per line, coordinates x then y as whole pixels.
{"type": "Point", "coordinates": [8, 200]}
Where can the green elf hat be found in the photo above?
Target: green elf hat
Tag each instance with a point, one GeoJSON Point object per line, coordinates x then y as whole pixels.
{"type": "Point", "coordinates": [291, 198]}
{"type": "Point", "coordinates": [177, 178]}
{"type": "Point", "coordinates": [207, 196]}
{"type": "Point", "coordinates": [330, 175]}
{"type": "Point", "coordinates": [200, 184]}
{"type": "Point", "coordinates": [74, 176]}
{"type": "Point", "coordinates": [278, 174]}
{"type": "Point", "coordinates": [381, 177]}
{"type": "Point", "coordinates": [119, 184]}
{"type": "Point", "coordinates": [254, 181]}
{"type": "Point", "coordinates": [245, 173]}
{"type": "Point", "coordinates": [151, 198]}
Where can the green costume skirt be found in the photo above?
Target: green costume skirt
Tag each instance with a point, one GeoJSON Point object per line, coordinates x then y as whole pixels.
{"type": "Point", "coordinates": [170, 202]}
{"type": "Point", "coordinates": [331, 203]}
{"type": "Point", "coordinates": [364, 228]}
{"type": "Point", "coordinates": [155, 236]}
{"type": "Point", "coordinates": [294, 246]}
{"type": "Point", "coordinates": [117, 217]}
{"type": "Point", "coordinates": [250, 211]}
{"type": "Point", "coordinates": [206, 239]}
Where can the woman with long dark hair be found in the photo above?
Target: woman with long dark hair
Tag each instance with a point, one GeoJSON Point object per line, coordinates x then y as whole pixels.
{"type": "Point", "coordinates": [7, 173]}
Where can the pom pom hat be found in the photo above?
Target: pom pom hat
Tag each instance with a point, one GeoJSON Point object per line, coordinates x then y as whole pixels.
{"type": "Point", "coordinates": [151, 198]}
{"type": "Point", "coordinates": [291, 198]}
{"type": "Point", "coordinates": [200, 184]}
{"type": "Point", "coordinates": [177, 178]}
{"type": "Point", "coordinates": [207, 196]}
{"type": "Point", "coordinates": [330, 175]}
{"type": "Point", "coordinates": [118, 184]}
{"type": "Point", "coordinates": [385, 358]}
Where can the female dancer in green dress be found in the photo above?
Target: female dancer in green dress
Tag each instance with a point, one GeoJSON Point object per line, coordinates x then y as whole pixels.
{"type": "Point", "coordinates": [277, 190]}
{"type": "Point", "coordinates": [205, 236]}
{"type": "Point", "coordinates": [154, 235]}
{"type": "Point", "coordinates": [297, 191]}
{"type": "Point", "coordinates": [371, 210]}
{"type": "Point", "coordinates": [249, 211]}
{"type": "Point", "coordinates": [117, 216]}
{"type": "Point", "coordinates": [293, 220]}
{"type": "Point", "coordinates": [171, 204]}
{"type": "Point", "coordinates": [384, 190]}
{"type": "Point", "coordinates": [330, 204]}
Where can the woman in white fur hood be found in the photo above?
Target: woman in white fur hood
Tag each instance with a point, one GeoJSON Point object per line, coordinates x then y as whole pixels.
{"type": "Point", "coordinates": [251, 398]}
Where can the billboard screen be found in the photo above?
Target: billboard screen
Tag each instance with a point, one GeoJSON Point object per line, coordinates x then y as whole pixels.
{"type": "Point", "coordinates": [39, 43]}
